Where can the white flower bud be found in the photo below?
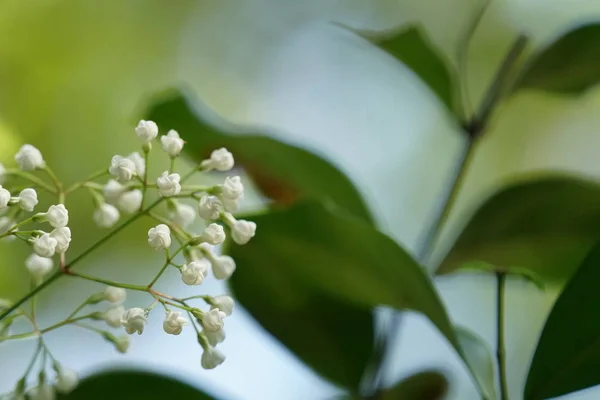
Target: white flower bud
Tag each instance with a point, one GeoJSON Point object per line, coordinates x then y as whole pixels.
{"type": "Point", "coordinates": [112, 191]}
{"type": "Point", "coordinates": [214, 338]}
{"type": "Point", "coordinates": [130, 202]}
{"type": "Point", "coordinates": [212, 321]}
{"type": "Point", "coordinates": [106, 215]}
{"type": "Point", "coordinates": [220, 159]}
{"type": "Point", "coordinates": [122, 343]}
{"type": "Point", "coordinates": [44, 391]}
{"type": "Point", "coordinates": [62, 237]}
{"type": "Point", "coordinates": [139, 162]}
{"type": "Point", "coordinates": [223, 267]}
{"type": "Point", "coordinates": [134, 320]}
{"type": "Point", "coordinates": [223, 303]}
{"type": "Point", "coordinates": [66, 380]}
{"type": "Point", "coordinates": [29, 158]}
{"type": "Point", "coordinates": [183, 215]}
{"type": "Point", "coordinates": [4, 197]}
{"type": "Point", "coordinates": [168, 184]}
{"type": "Point", "coordinates": [209, 207]}
{"type": "Point", "coordinates": [28, 199]}
{"type": "Point", "coordinates": [214, 234]}
{"type": "Point", "coordinates": [242, 231]}
{"type": "Point", "coordinates": [114, 294]}
{"type": "Point", "coordinates": [232, 188]}
{"type": "Point", "coordinates": [146, 131]}
{"type": "Point", "coordinates": [159, 237]}
{"type": "Point", "coordinates": [171, 143]}
{"type": "Point", "coordinates": [212, 358]}
{"type": "Point", "coordinates": [113, 316]}
{"type": "Point", "coordinates": [44, 245]}
{"type": "Point", "coordinates": [122, 168]}
{"type": "Point", "coordinates": [174, 323]}
{"type": "Point", "coordinates": [194, 272]}
{"type": "Point", "coordinates": [38, 266]}
{"type": "Point", "coordinates": [58, 216]}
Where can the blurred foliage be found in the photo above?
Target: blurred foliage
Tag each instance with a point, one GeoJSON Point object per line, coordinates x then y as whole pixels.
{"type": "Point", "coordinates": [426, 385]}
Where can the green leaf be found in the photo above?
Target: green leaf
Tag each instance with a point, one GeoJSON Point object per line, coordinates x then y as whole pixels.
{"type": "Point", "coordinates": [545, 225]}
{"type": "Point", "coordinates": [567, 357]}
{"type": "Point", "coordinates": [283, 172]}
{"type": "Point", "coordinates": [316, 246]}
{"type": "Point", "coordinates": [569, 65]}
{"type": "Point", "coordinates": [133, 385]}
{"type": "Point", "coordinates": [479, 357]}
{"type": "Point", "coordinates": [426, 385]}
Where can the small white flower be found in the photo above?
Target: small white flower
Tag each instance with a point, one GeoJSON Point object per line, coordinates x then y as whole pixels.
{"type": "Point", "coordinates": [220, 159]}
{"type": "Point", "coordinates": [174, 323]}
{"type": "Point", "coordinates": [38, 266]}
{"type": "Point", "coordinates": [194, 272]}
{"type": "Point", "coordinates": [130, 202]}
{"type": "Point", "coordinates": [29, 158]}
{"type": "Point", "coordinates": [212, 321]}
{"type": "Point", "coordinates": [114, 294]}
{"type": "Point", "coordinates": [214, 338]}
{"type": "Point", "coordinates": [210, 207]}
{"type": "Point", "coordinates": [159, 237]}
{"type": "Point", "coordinates": [223, 303]}
{"type": "Point", "coordinates": [134, 320]}
{"type": "Point", "coordinates": [44, 391]}
{"type": "Point", "coordinates": [212, 358]}
{"type": "Point", "coordinates": [168, 184]}
{"type": "Point", "coordinates": [113, 316]}
{"type": "Point", "coordinates": [183, 215]}
{"type": "Point", "coordinates": [113, 190]}
{"type": "Point", "coordinates": [223, 267]}
{"type": "Point", "coordinates": [171, 143]}
{"type": "Point", "coordinates": [232, 192]}
{"type": "Point", "coordinates": [2, 173]}
{"type": "Point", "coordinates": [140, 163]}
{"type": "Point", "coordinates": [242, 231]}
{"type": "Point", "coordinates": [4, 197]}
{"type": "Point", "coordinates": [146, 131]}
{"type": "Point", "coordinates": [28, 199]}
{"type": "Point", "coordinates": [122, 343]}
{"type": "Point", "coordinates": [214, 234]}
{"type": "Point", "coordinates": [122, 168]}
{"type": "Point", "coordinates": [62, 237]}
{"type": "Point", "coordinates": [58, 216]}
{"type": "Point", "coordinates": [44, 245]}
{"type": "Point", "coordinates": [106, 215]}
{"type": "Point", "coordinates": [66, 380]}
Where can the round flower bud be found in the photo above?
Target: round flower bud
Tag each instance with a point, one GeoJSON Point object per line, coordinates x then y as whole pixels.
{"type": "Point", "coordinates": [223, 267]}
{"type": "Point", "coordinates": [4, 197]}
{"type": "Point", "coordinates": [112, 191]}
{"type": "Point", "coordinates": [122, 168]}
{"type": "Point", "coordinates": [212, 321]}
{"type": "Point", "coordinates": [209, 207]}
{"type": "Point", "coordinates": [29, 158]}
{"type": "Point", "coordinates": [130, 202]}
{"type": "Point", "coordinates": [174, 323]}
{"type": "Point", "coordinates": [214, 234]}
{"type": "Point", "coordinates": [146, 131]}
{"type": "Point", "coordinates": [44, 245]}
{"type": "Point", "coordinates": [214, 338]}
{"type": "Point", "coordinates": [159, 237]}
{"type": "Point", "coordinates": [223, 303]}
{"type": "Point", "coordinates": [242, 231]}
{"type": "Point", "coordinates": [168, 184]}
{"type": "Point", "coordinates": [43, 391]}
{"type": "Point", "coordinates": [28, 199]}
{"type": "Point", "coordinates": [114, 294]}
{"type": "Point", "coordinates": [113, 316]}
{"type": "Point", "coordinates": [194, 273]}
{"type": "Point", "coordinates": [66, 380]}
{"type": "Point", "coordinates": [171, 143]}
{"type": "Point", "coordinates": [58, 216]}
{"type": "Point", "coordinates": [212, 358]}
{"type": "Point", "coordinates": [232, 188]}
{"type": "Point", "coordinates": [221, 160]}
{"type": "Point", "coordinates": [183, 215]}
{"type": "Point", "coordinates": [38, 266]}
{"type": "Point", "coordinates": [139, 162]}
{"type": "Point", "coordinates": [62, 237]}
{"type": "Point", "coordinates": [134, 320]}
{"type": "Point", "coordinates": [106, 215]}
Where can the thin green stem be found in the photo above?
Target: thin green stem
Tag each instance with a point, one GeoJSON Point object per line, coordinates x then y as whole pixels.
{"type": "Point", "coordinates": [32, 178]}
{"type": "Point", "coordinates": [201, 296]}
{"type": "Point", "coordinates": [172, 165]}
{"type": "Point", "coordinates": [139, 288]}
{"type": "Point", "coordinates": [145, 181]}
{"type": "Point", "coordinates": [66, 322]}
{"type": "Point", "coordinates": [89, 179]}
{"type": "Point", "coordinates": [54, 178]}
{"type": "Point", "coordinates": [33, 360]}
{"type": "Point", "coordinates": [501, 347]}
{"type": "Point", "coordinates": [77, 309]}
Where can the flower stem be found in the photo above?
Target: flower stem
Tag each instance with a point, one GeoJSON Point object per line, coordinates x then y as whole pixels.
{"type": "Point", "coordinates": [89, 179]}
{"type": "Point", "coordinates": [32, 178]}
{"type": "Point", "coordinates": [108, 282]}
{"type": "Point", "coordinates": [145, 181]}
{"type": "Point", "coordinates": [501, 347]}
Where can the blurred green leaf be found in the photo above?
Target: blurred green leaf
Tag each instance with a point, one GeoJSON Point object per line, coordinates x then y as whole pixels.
{"type": "Point", "coordinates": [545, 225]}
{"type": "Point", "coordinates": [523, 273]}
{"type": "Point", "coordinates": [426, 385]}
{"type": "Point", "coordinates": [316, 246]}
{"type": "Point", "coordinates": [283, 172]}
{"type": "Point", "coordinates": [567, 357]}
{"type": "Point", "coordinates": [133, 385]}
{"type": "Point", "coordinates": [569, 65]}
{"type": "Point", "coordinates": [479, 357]}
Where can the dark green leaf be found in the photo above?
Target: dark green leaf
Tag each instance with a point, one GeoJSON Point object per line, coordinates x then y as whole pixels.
{"type": "Point", "coordinates": [338, 256]}
{"type": "Point", "coordinates": [523, 273]}
{"type": "Point", "coordinates": [567, 357]}
{"type": "Point", "coordinates": [426, 385]}
{"type": "Point", "coordinates": [133, 385]}
{"type": "Point", "coordinates": [545, 225]}
{"type": "Point", "coordinates": [569, 65]}
{"type": "Point", "coordinates": [283, 172]}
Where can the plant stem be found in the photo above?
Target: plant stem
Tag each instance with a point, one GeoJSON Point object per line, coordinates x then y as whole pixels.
{"type": "Point", "coordinates": [501, 347]}
{"type": "Point", "coordinates": [108, 282]}
{"type": "Point", "coordinates": [32, 178]}
{"type": "Point", "coordinates": [89, 179]}
{"type": "Point", "coordinates": [145, 181]}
